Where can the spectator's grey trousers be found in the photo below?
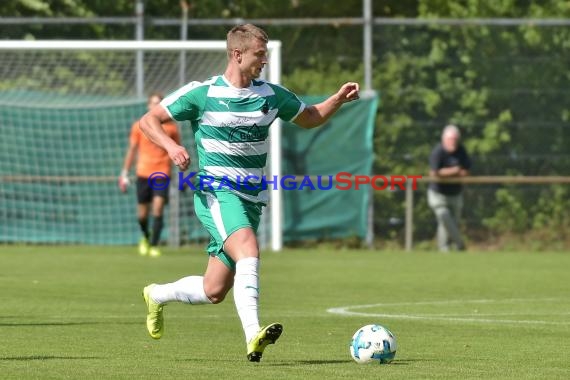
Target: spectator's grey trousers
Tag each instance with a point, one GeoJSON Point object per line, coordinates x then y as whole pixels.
{"type": "Point", "coordinates": [447, 209]}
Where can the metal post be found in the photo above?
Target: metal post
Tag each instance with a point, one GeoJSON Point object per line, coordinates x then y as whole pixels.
{"type": "Point", "coordinates": [367, 38]}
{"type": "Point", "coordinates": [139, 36]}
{"type": "Point", "coordinates": [174, 210]}
{"type": "Point", "coordinates": [275, 164]}
{"type": "Point", "coordinates": [409, 215]}
{"type": "Point", "coordinates": [183, 37]}
{"type": "Point", "coordinates": [174, 219]}
{"type": "Point", "coordinates": [367, 49]}
{"type": "Point", "coordinates": [370, 229]}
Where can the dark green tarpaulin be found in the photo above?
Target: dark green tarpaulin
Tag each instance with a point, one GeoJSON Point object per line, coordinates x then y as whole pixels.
{"type": "Point", "coordinates": [344, 144]}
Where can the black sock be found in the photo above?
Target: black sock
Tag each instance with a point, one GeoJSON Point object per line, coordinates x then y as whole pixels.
{"type": "Point", "coordinates": [144, 227]}
{"type": "Point", "coordinates": [156, 230]}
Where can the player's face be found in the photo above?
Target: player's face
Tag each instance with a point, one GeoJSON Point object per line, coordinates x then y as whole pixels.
{"type": "Point", "coordinates": [153, 101]}
{"type": "Point", "coordinates": [254, 58]}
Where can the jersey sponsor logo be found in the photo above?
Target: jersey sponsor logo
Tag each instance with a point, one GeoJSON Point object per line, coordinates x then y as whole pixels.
{"type": "Point", "coordinates": [246, 134]}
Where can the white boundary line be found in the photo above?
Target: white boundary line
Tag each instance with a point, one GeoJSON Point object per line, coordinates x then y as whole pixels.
{"type": "Point", "coordinates": [349, 311]}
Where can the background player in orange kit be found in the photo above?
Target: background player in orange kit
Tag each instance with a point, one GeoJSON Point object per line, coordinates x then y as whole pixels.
{"type": "Point", "coordinates": [150, 159]}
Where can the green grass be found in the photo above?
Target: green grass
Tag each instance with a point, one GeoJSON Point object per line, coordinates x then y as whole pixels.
{"type": "Point", "coordinates": [76, 312]}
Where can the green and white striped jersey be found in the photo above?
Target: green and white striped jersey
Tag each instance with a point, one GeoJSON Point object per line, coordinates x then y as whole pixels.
{"type": "Point", "coordinates": [231, 129]}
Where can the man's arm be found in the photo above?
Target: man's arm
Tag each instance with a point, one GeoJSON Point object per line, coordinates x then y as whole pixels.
{"type": "Point", "coordinates": [150, 125]}
{"type": "Point", "coordinates": [452, 171]}
{"type": "Point", "coordinates": [435, 171]}
{"type": "Point", "coordinates": [129, 158]}
{"type": "Point", "coordinates": [463, 172]}
{"type": "Point", "coordinates": [177, 136]}
{"type": "Point", "coordinates": [318, 114]}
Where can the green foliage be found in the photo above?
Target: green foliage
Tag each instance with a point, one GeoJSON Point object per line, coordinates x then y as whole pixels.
{"type": "Point", "coordinates": [547, 219]}
{"type": "Point", "coordinates": [45, 8]}
{"type": "Point", "coordinates": [511, 214]}
{"type": "Point", "coordinates": [551, 210]}
{"type": "Point", "coordinates": [317, 79]}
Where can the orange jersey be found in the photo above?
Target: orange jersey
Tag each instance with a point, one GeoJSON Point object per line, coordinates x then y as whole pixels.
{"type": "Point", "coordinates": [152, 158]}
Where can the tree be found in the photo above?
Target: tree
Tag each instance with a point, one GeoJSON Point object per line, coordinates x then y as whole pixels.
{"type": "Point", "coordinates": [505, 86]}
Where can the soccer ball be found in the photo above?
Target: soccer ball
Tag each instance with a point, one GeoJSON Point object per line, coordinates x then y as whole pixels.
{"type": "Point", "coordinates": [373, 343]}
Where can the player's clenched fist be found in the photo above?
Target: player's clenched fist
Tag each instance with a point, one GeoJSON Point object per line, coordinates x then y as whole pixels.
{"type": "Point", "coordinates": [348, 92]}
{"type": "Point", "coordinates": [180, 157]}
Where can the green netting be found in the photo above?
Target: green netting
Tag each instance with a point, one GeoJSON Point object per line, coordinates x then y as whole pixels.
{"type": "Point", "coordinates": [58, 167]}
{"type": "Point", "coordinates": [58, 170]}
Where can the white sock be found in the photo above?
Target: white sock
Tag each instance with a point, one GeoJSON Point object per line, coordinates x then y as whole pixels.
{"type": "Point", "coordinates": [188, 290]}
{"type": "Point", "coordinates": [246, 295]}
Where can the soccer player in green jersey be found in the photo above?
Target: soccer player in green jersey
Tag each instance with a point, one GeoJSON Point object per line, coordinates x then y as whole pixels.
{"type": "Point", "coordinates": [230, 116]}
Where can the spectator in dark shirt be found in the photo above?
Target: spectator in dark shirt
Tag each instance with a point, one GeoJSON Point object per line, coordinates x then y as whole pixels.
{"type": "Point", "coordinates": [448, 159]}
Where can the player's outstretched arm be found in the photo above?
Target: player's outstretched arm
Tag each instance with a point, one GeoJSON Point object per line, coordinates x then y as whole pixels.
{"type": "Point", "coordinates": [318, 114]}
{"type": "Point", "coordinates": [150, 125]}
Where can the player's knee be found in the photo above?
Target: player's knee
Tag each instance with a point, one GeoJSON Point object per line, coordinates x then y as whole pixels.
{"type": "Point", "coordinates": [142, 215]}
{"type": "Point", "coordinates": [216, 300]}
{"type": "Point", "coordinates": [158, 206]}
{"type": "Point", "coordinates": [215, 294]}
{"type": "Point", "coordinates": [157, 211]}
{"type": "Point", "coordinates": [217, 297]}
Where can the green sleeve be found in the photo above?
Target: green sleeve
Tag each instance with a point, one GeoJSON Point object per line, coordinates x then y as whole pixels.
{"type": "Point", "coordinates": [186, 103]}
{"type": "Point", "coordinates": [288, 103]}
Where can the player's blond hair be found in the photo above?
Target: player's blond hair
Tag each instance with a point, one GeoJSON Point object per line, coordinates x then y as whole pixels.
{"type": "Point", "coordinates": [241, 36]}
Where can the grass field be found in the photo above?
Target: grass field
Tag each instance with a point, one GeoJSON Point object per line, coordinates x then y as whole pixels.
{"type": "Point", "coordinates": [77, 313]}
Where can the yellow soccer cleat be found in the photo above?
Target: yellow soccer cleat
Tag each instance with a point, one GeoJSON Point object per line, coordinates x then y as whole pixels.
{"type": "Point", "coordinates": [154, 317]}
{"type": "Point", "coordinates": [267, 335]}
{"type": "Point", "coordinates": [154, 252]}
{"type": "Point", "coordinates": [143, 247]}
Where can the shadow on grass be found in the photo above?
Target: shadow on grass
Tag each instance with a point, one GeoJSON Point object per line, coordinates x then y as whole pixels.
{"type": "Point", "coordinates": [308, 362]}
{"type": "Point", "coordinates": [314, 362]}
{"type": "Point", "coordinates": [8, 324]}
{"type": "Point", "coordinates": [45, 357]}
{"type": "Point", "coordinates": [282, 363]}
{"type": "Point", "coordinates": [408, 361]}
{"type": "Point", "coordinates": [327, 362]}
{"type": "Point", "coordinates": [42, 324]}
